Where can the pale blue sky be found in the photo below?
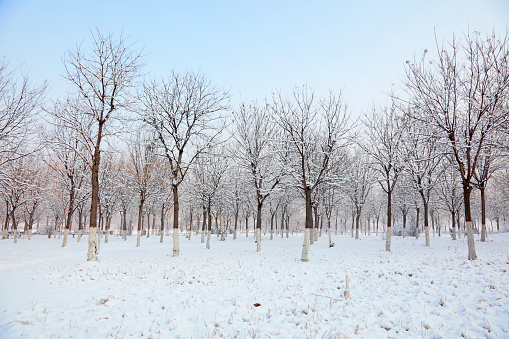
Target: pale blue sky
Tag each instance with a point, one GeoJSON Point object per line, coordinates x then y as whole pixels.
{"type": "Point", "coordinates": [250, 47]}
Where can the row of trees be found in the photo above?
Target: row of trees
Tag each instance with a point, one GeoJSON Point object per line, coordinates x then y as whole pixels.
{"type": "Point", "coordinates": [447, 132]}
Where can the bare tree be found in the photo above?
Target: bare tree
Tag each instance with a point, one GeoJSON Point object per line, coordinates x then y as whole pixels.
{"type": "Point", "coordinates": [423, 155]}
{"type": "Point", "coordinates": [384, 140]}
{"type": "Point", "coordinates": [19, 102]}
{"type": "Point", "coordinates": [489, 162]}
{"type": "Point", "coordinates": [102, 77]}
{"type": "Point", "coordinates": [359, 187]}
{"type": "Point", "coordinates": [255, 152]}
{"type": "Point", "coordinates": [463, 94]}
{"type": "Point", "coordinates": [185, 113]}
{"type": "Point", "coordinates": [143, 166]}
{"type": "Point", "coordinates": [313, 132]}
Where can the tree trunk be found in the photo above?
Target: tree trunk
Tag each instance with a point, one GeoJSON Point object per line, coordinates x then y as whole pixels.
{"type": "Point", "coordinates": [92, 237]}
{"type": "Point", "coordinates": [259, 227]}
{"type": "Point", "coordinates": [107, 232]}
{"type": "Point", "coordinates": [80, 223]}
{"type": "Point", "coordinates": [353, 225]}
{"type": "Point", "coordinates": [209, 216]}
{"type": "Point", "coordinates": [328, 226]}
{"type": "Point", "coordinates": [283, 213]}
{"type": "Point", "coordinates": [272, 225]}
{"type": "Point", "coordinates": [389, 219]}
{"type": "Point", "coordinates": [190, 225]}
{"type": "Point", "coordinates": [426, 223]}
{"type": "Point", "coordinates": [308, 226]}
{"type": "Point", "coordinates": [175, 221]}
{"type": "Point", "coordinates": [417, 213]}
{"type": "Point", "coordinates": [124, 226]}
{"type": "Point", "coordinates": [236, 218]}
{"type": "Point", "coordinates": [404, 223]}
{"type": "Point", "coordinates": [148, 224]}
{"type": "Point", "coordinates": [357, 223]}
{"type": "Point", "coordinates": [468, 222]}
{"type": "Point", "coordinates": [140, 221]}
{"type": "Point", "coordinates": [14, 226]}
{"type": "Point", "coordinates": [287, 227]}
{"type": "Point", "coordinates": [483, 213]}
{"type": "Point", "coordinates": [204, 225]}
{"type": "Point", "coordinates": [247, 226]}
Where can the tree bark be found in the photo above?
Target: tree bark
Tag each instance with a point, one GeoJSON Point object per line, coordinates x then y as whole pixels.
{"type": "Point", "coordinates": [140, 221]}
{"type": "Point", "coordinates": [236, 218]}
{"type": "Point", "coordinates": [426, 225]}
{"type": "Point", "coordinates": [209, 216]}
{"type": "Point", "coordinates": [308, 226]}
{"type": "Point", "coordinates": [357, 223]}
{"type": "Point", "coordinates": [483, 212]}
{"type": "Point", "coordinates": [259, 227]}
{"type": "Point", "coordinates": [389, 220]}
{"type": "Point", "coordinates": [417, 214]}
{"type": "Point", "coordinates": [468, 223]}
{"type": "Point", "coordinates": [92, 237]}
{"type": "Point", "coordinates": [204, 225]}
{"type": "Point", "coordinates": [175, 221]}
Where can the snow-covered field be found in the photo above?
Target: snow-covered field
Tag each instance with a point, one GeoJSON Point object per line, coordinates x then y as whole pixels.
{"type": "Point", "coordinates": [47, 291]}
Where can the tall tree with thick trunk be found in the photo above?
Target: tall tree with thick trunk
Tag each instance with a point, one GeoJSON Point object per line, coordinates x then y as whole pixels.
{"type": "Point", "coordinates": [102, 77]}
{"type": "Point", "coordinates": [185, 113]}
{"type": "Point", "coordinates": [463, 94]}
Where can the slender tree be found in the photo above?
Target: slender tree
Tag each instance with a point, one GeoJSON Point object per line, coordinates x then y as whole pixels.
{"type": "Point", "coordinates": [102, 77]}
{"type": "Point", "coordinates": [185, 113]}
{"type": "Point", "coordinates": [313, 132]}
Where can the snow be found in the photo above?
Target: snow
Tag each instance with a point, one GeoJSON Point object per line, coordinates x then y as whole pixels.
{"type": "Point", "coordinates": [414, 291]}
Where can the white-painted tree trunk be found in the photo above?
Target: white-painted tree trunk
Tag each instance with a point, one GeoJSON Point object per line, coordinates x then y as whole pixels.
{"type": "Point", "coordinates": [66, 234]}
{"type": "Point", "coordinates": [79, 235]}
{"type": "Point", "coordinates": [258, 240]}
{"type": "Point", "coordinates": [99, 240]}
{"type": "Point", "coordinates": [271, 234]}
{"type": "Point", "coordinates": [234, 234]}
{"type": "Point", "coordinates": [106, 236]}
{"type": "Point", "coordinates": [162, 237]}
{"type": "Point", "coordinates": [426, 233]}
{"type": "Point", "coordinates": [305, 246]}
{"type": "Point", "coordinates": [138, 238]}
{"type": "Point", "coordinates": [15, 235]}
{"type": "Point", "coordinates": [176, 251]}
{"type": "Point", "coordinates": [417, 233]}
{"type": "Point", "coordinates": [92, 244]}
{"type": "Point", "coordinates": [404, 232]}
{"type": "Point", "coordinates": [454, 233]}
{"type": "Point", "coordinates": [287, 233]}
{"type": "Point", "coordinates": [472, 255]}
{"type": "Point", "coordinates": [202, 236]}
{"type": "Point", "coordinates": [124, 235]}
{"type": "Point", "coordinates": [316, 233]}
{"type": "Point", "coordinates": [311, 236]}
{"type": "Point", "coordinates": [207, 246]}
{"type": "Point", "coordinates": [29, 234]}
{"type": "Point", "coordinates": [330, 237]}
{"type": "Point", "coordinates": [247, 232]}
{"type": "Point", "coordinates": [4, 234]}
{"type": "Point", "coordinates": [388, 239]}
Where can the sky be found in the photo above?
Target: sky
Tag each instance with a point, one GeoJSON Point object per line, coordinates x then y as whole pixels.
{"type": "Point", "coordinates": [251, 48]}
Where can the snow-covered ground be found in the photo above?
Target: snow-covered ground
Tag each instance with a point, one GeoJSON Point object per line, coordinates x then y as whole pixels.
{"type": "Point", "coordinates": [47, 291]}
